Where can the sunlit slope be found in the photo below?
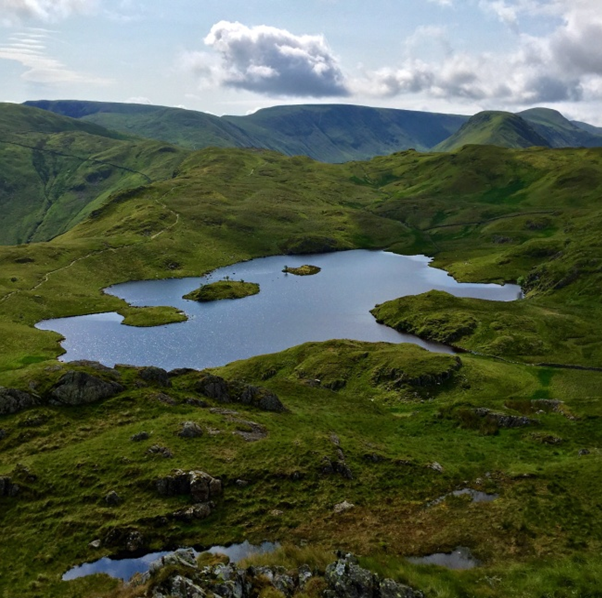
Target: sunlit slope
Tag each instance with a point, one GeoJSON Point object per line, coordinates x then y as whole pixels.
{"type": "Point", "coordinates": [56, 170]}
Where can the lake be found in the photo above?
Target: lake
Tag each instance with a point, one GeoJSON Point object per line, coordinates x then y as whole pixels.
{"type": "Point", "coordinates": [288, 311]}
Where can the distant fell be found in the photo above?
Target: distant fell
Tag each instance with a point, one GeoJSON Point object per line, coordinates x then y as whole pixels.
{"type": "Point", "coordinates": [329, 133]}
{"type": "Point", "coordinates": [502, 129]}
{"type": "Point", "coordinates": [559, 131]}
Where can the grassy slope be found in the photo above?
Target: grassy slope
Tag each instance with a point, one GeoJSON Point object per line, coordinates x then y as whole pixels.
{"type": "Point", "coordinates": [334, 133]}
{"type": "Point", "coordinates": [56, 170]}
{"type": "Point", "coordinates": [558, 131]}
{"type": "Point", "coordinates": [487, 214]}
{"type": "Point", "coordinates": [494, 128]}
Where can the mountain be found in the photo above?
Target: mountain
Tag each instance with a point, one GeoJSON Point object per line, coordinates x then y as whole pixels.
{"type": "Point", "coordinates": [329, 133]}
{"type": "Point", "coordinates": [559, 131]}
{"type": "Point", "coordinates": [587, 127]}
{"type": "Point", "coordinates": [54, 170]}
{"type": "Point", "coordinates": [503, 129]}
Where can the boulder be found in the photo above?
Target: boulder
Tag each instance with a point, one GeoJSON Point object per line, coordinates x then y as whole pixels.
{"type": "Point", "coordinates": [190, 430]}
{"type": "Point", "coordinates": [262, 398]}
{"type": "Point", "coordinates": [112, 499]}
{"type": "Point", "coordinates": [79, 388]}
{"type": "Point", "coordinates": [3, 433]}
{"type": "Point", "coordinates": [198, 511]}
{"type": "Point", "coordinates": [343, 506]}
{"type": "Point", "coordinates": [124, 539]}
{"type": "Point", "coordinates": [163, 451]}
{"type": "Point", "coordinates": [213, 387]}
{"type": "Point", "coordinates": [140, 436]}
{"type": "Point", "coordinates": [154, 376]}
{"type": "Point", "coordinates": [199, 485]}
{"type": "Point", "coordinates": [13, 401]}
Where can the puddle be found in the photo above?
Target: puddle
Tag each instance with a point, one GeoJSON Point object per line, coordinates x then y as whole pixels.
{"type": "Point", "coordinates": [476, 496]}
{"type": "Point", "coordinates": [459, 559]}
{"type": "Point", "coordinates": [125, 569]}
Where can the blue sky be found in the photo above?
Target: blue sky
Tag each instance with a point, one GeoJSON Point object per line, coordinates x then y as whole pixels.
{"type": "Point", "coordinates": [235, 56]}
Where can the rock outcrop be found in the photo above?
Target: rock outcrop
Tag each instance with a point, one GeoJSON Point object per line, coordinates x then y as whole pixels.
{"type": "Point", "coordinates": [199, 485]}
{"type": "Point", "coordinates": [178, 575]}
{"type": "Point", "coordinates": [13, 400]}
{"type": "Point", "coordinates": [80, 388]}
{"type": "Point", "coordinates": [7, 487]}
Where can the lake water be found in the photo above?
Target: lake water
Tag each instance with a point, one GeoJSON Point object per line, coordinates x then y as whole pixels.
{"type": "Point", "coordinates": [288, 311]}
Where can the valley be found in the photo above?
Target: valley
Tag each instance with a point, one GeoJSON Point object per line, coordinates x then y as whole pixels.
{"type": "Point", "coordinates": [389, 428]}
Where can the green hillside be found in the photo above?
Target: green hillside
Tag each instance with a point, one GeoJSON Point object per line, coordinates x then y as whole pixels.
{"type": "Point", "coordinates": [559, 131]}
{"type": "Point", "coordinates": [329, 133]}
{"type": "Point", "coordinates": [392, 429]}
{"type": "Point", "coordinates": [494, 128]}
{"type": "Point", "coordinates": [54, 171]}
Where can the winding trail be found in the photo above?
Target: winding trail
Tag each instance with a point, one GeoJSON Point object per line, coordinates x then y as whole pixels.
{"type": "Point", "coordinates": [46, 277]}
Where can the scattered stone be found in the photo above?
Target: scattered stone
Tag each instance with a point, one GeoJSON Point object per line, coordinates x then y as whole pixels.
{"type": "Point", "coordinates": [24, 473]}
{"type": "Point", "coordinates": [330, 467]}
{"type": "Point", "coordinates": [346, 579]}
{"type": "Point", "coordinates": [112, 499]}
{"type": "Point", "coordinates": [248, 430]}
{"type": "Point", "coordinates": [140, 436]}
{"type": "Point", "coordinates": [584, 452]}
{"type": "Point", "coordinates": [198, 511]}
{"type": "Point", "coordinates": [547, 439]}
{"type": "Point", "coordinates": [95, 544]}
{"type": "Point", "coordinates": [7, 488]}
{"type": "Point", "coordinates": [155, 376]}
{"type": "Point", "coordinates": [157, 449]}
{"type": "Point", "coordinates": [436, 467]}
{"type": "Point", "coordinates": [198, 484]}
{"type": "Point", "coordinates": [166, 399]}
{"type": "Point", "coordinates": [343, 506]}
{"type": "Point", "coordinates": [124, 539]}
{"type": "Point", "coordinates": [13, 400]}
{"type": "Point", "coordinates": [190, 430]}
{"type": "Point", "coordinates": [3, 434]}
{"type": "Point", "coordinates": [503, 420]}
{"type": "Point", "coordinates": [219, 411]}
{"type": "Point", "coordinates": [79, 388]}
{"type": "Point", "coordinates": [276, 513]}
{"type": "Point", "coordinates": [241, 483]}
{"type": "Point", "coordinates": [373, 458]}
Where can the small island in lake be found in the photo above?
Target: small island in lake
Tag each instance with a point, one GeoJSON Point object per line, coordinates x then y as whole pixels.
{"type": "Point", "coordinates": [223, 289]}
{"type": "Point", "coordinates": [305, 270]}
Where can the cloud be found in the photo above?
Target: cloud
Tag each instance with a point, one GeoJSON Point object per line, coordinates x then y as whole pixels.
{"type": "Point", "coordinates": [564, 66]}
{"type": "Point", "coordinates": [267, 60]}
{"type": "Point", "coordinates": [29, 49]}
{"type": "Point", "coordinates": [12, 11]}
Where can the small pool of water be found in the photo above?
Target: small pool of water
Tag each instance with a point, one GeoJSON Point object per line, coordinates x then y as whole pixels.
{"type": "Point", "coordinates": [125, 569]}
{"type": "Point", "coordinates": [459, 559]}
{"type": "Point", "coordinates": [288, 311]}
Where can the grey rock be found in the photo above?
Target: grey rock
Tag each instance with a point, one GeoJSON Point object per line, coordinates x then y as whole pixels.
{"type": "Point", "coordinates": [140, 436]}
{"type": "Point", "coordinates": [95, 544]}
{"type": "Point", "coordinates": [165, 399]}
{"type": "Point", "coordinates": [124, 539]}
{"type": "Point", "coordinates": [343, 506]}
{"type": "Point", "coordinates": [79, 388]}
{"type": "Point", "coordinates": [112, 499]}
{"type": "Point", "coordinates": [184, 557]}
{"type": "Point", "coordinates": [180, 587]}
{"type": "Point", "coordinates": [261, 398]}
{"type": "Point", "coordinates": [330, 467]}
{"type": "Point", "coordinates": [155, 376]}
{"type": "Point", "coordinates": [503, 420]}
{"type": "Point", "coordinates": [214, 387]}
{"type": "Point", "coordinates": [198, 511]}
{"type": "Point", "coordinates": [304, 574]}
{"type": "Point", "coordinates": [13, 401]}
{"type": "Point", "coordinates": [163, 451]}
{"type": "Point", "coordinates": [199, 485]}
{"type": "Point", "coordinates": [584, 452]}
{"type": "Point", "coordinates": [3, 433]}
{"type": "Point", "coordinates": [190, 430]}
{"type": "Point", "coordinates": [241, 483]}
{"type": "Point", "coordinates": [436, 467]}
{"type": "Point", "coordinates": [391, 589]}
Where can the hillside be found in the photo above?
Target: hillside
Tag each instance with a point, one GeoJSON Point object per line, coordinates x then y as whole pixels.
{"type": "Point", "coordinates": [559, 131]}
{"type": "Point", "coordinates": [57, 170]}
{"type": "Point", "coordinates": [399, 433]}
{"type": "Point", "coordinates": [329, 133]}
{"type": "Point", "coordinates": [494, 128]}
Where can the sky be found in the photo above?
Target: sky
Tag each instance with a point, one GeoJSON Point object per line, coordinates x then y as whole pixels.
{"type": "Point", "coordinates": [237, 56]}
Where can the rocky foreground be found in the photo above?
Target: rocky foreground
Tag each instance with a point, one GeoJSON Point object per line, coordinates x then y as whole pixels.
{"type": "Point", "coordinates": [179, 575]}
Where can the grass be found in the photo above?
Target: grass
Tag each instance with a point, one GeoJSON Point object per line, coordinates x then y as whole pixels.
{"type": "Point", "coordinates": [305, 270]}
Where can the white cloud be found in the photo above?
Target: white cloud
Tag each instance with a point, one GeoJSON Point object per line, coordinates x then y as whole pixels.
{"type": "Point", "coordinates": [29, 49]}
{"type": "Point", "coordinates": [564, 66]}
{"type": "Point", "coordinates": [12, 11]}
{"type": "Point", "coordinates": [267, 60]}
